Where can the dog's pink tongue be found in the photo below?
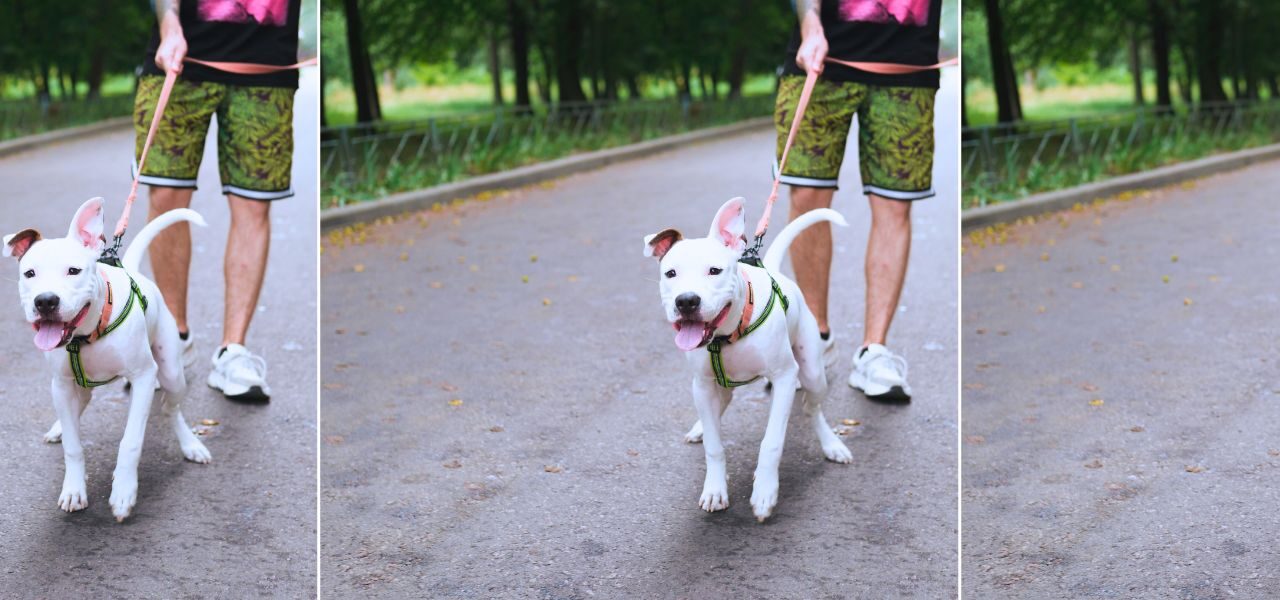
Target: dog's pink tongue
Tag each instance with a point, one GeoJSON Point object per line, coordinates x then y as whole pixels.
{"type": "Point", "coordinates": [48, 335]}
{"type": "Point", "coordinates": [689, 335]}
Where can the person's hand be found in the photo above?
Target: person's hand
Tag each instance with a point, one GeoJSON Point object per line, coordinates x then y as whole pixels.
{"type": "Point", "coordinates": [812, 54]}
{"type": "Point", "coordinates": [173, 45]}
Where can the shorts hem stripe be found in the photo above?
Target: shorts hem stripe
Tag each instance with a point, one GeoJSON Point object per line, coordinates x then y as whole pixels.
{"type": "Point", "coordinates": [257, 194]}
{"type": "Point", "coordinates": [898, 194]}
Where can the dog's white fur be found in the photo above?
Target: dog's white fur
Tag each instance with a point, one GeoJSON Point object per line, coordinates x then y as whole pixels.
{"type": "Point", "coordinates": [784, 349]}
{"type": "Point", "coordinates": [143, 349]}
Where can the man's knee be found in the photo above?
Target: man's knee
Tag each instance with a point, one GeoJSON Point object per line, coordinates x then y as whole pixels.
{"type": "Point", "coordinates": [805, 199]}
{"type": "Point", "coordinates": [164, 199]}
{"type": "Point", "coordinates": [885, 211]}
{"type": "Point", "coordinates": [246, 210]}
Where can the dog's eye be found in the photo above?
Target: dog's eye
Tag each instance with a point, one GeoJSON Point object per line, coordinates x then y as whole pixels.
{"type": "Point", "coordinates": [73, 271]}
{"type": "Point", "coordinates": [716, 270]}
{"type": "Point", "coordinates": [30, 273]}
{"type": "Point", "coordinates": [671, 273]}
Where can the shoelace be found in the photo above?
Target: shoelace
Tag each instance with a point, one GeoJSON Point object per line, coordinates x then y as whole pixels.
{"type": "Point", "coordinates": [256, 364]}
{"type": "Point", "coordinates": [894, 360]}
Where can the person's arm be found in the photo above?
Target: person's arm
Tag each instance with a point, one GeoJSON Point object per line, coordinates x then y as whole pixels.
{"type": "Point", "coordinates": [813, 40]}
{"type": "Point", "coordinates": [173, 45]}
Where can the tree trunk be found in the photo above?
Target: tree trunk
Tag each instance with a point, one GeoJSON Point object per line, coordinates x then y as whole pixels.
{"type": "Point", "coordinates": [738, 56]}
{"type": "Point", "coordinates": [1185, 83]}
{"type": "Point", "coordinates": [495, 67]}
{"type": "Point", "coordinates": [1209, 30]}
{"type": "Point", "coordinates": [97, 70]}
{"type": "Point", "coordinates": [518, 24]}
{"type": "Point", "coordinates": [363, 80]}
{"type": "Point", "coordinates": [1009, 105]}
{"type": "Point", "coordinates": [544, 78]}
{"type": "Point", "coordinates": [633, 88]}
{"type": "Point", "coordinates": [1160, 52]}
{"type": "Point", "coordinates": [567, 49]}
{"type": "Point", "coordinates": [1135, 68]}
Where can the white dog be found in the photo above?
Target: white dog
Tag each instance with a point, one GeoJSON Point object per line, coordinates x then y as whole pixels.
{"type": "Point", "coordinates": [95, 323]}
{"type": "Point", "coordinates": [753, 323]}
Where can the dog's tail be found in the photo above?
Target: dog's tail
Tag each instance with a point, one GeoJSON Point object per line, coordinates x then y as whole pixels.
{"type": "Point", "coordinates": [778, 249]}
{"type": "Point", "coordinates": [138, 247]}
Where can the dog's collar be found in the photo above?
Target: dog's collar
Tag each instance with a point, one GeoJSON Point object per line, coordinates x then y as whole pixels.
{"type": "Point", "coordinates": [745, 326]}
{"type": "Point", "coordinates": [105, 326]}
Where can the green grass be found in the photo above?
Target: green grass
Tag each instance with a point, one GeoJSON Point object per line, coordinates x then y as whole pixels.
{"type": "Point", "coordinates": [370, 172]}
{"type": "Point", "coordinates": [1017, 176]}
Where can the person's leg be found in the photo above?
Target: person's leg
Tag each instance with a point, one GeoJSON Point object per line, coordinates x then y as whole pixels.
{"type": "Point", "coordinates": [811, 251]}
{"type": "Point", "coordinates": [170, 172]}
{"type": "Point", "coordinates": [255, 158]}
{"type": "Point", "coordinates": [245, 265]}
{"type": "Point", "coordinates": [812, 172]}
{"type": "Point", "coordinates": [171, 251]}
{"type": "Point", "coordinates": [888, 248]}
{"type": "Point", "coordinates": [895, 139]}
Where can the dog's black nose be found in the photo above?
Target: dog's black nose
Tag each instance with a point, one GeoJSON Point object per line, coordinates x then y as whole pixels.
{"type": "Point", "coordinates": [688, 302]}
{"type": "Point", "coordinates": [47, 303]}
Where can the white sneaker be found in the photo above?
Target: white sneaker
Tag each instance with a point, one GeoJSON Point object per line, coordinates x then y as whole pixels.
{"type": "Point", "coordinates": [188, 351]}
{"type": "Point", "coordinates": [239, 374]}
{"type": "Point", "coordinates": [829, 352]}
{"type": "Point", "coordinates": [880, 374]}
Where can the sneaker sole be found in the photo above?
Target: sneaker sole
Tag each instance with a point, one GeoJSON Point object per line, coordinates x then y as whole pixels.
{"type": "Point", "coordinates": [895, 395]}
{"type": "Point", "coordinates": [254, 395]}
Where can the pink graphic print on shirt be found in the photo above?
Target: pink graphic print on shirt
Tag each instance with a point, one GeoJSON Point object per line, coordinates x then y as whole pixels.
{"type": "Point", "coordinates": [903, 12]}
{"type": "Point", "coordinates": [262, 12]}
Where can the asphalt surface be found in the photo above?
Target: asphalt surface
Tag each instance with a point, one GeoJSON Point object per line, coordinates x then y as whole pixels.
{"type": "Point", "coordinates": [1120, 398]}
{"type": "Point", "coordinates": [490, 436]}
{"type": "Point", "coordinates": [242, 526]}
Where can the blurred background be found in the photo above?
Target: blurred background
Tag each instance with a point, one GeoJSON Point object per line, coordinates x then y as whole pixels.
{"type": "Point", "coordinates": [63, 64]}
{"type": "Point", "coordinates": [1063, 92]}
{"type": "Point", "coordinates": [424, 92]}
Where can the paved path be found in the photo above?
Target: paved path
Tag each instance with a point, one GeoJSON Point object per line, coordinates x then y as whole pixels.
{"type": "Point", "coordinates": [1121, 399]}
{"type": "Point", "coordinates": [575, 369]}
{"type": "Point", "coordinates": [241, 526]}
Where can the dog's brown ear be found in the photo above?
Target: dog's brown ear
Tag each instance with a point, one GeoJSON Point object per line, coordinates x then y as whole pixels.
{"type": "Point", "coordinates": [17, 244]}
{"type": "Point", "coordinates": [658, 244]}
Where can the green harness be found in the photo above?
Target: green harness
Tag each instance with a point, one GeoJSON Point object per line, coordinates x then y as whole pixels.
{"type": "Point", "coordinates": [73, 347]}
{"type": "Point", "coordinates": [717, 366]}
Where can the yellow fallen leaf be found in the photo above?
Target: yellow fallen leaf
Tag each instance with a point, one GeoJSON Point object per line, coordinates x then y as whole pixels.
{"type": "Point", "coordinates": [1195, 469]}
{"type": "Point", "coordinates": [1044, 257]}
{"type": "Point", "coordinates": [850, 422]}
{"type": "Point", "coordinates": [475, 268]}
{"type": "Point", "coordinates": [455, 402]}
{"type": "Point", "coordinates": [524, 278]}
{"type": "Point", "coordinates": [546, 302]}
{"type": "Point", "coordinates": [553, 468]}
{"type": "Point", "coordinates": [1077, 285]}
{"type": "Point", "coordinates": [1186, 302]}
{"type": "Point", "coordinates": [1096, 402]}
{"type": "Point", "coordinates": [572, 278]}
{"type": "Point", "coordinates": [1000, 268]}
{"type": "Point", "coordinates": [435, 285]}
{"type": "Point", "coordinates": [533, 258]}
{"type": "Point", "coordinates": [404, 257]}
{"type": "Point", "coordinates": [1165, 279]}
{"type": "Point", "coordinates": [1175, 258]}
{"type": "Point", "coordinates": [1115, 268]}
{"type": "Point", "coordinates": [208, 422]}
{"type": "Point", "coordinates": [359, 268]}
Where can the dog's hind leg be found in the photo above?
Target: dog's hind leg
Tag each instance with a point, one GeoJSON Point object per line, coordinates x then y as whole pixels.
{"type": "Point", "coordinates": [168, 353]}
{"type": "Point", "coordinates": [710, 400]}
{"type": "Point", "coordinates": [694, 435]}
{"type": "Point", "coordinates": [69, 401]}
{"type": "Point", "coordinates": [813, 381]}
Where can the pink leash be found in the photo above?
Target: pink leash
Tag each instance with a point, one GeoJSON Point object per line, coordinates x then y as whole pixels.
{"type": "Point", "coordinates": [170, 77]}
{"type": "Point", "coordinates": [810, 80]}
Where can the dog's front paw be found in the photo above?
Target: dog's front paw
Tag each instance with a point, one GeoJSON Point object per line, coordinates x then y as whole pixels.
{"type": "Point", "coordinates": [714, 497]}
{"type": "Point", "coordinates": [196, 452]}
{"type": "Point", "coordinates": [837, 452]}
{"type": "Point", "coordinates": [694, 435]}
{"type": "Point", "coordinates": [764, 496]}
{"type": "Point", "coordinates": [74, 497]}
{"type": "Point", "coordinates": [54, 435]}
{"type": "Point", "coordinates": [124, 495]}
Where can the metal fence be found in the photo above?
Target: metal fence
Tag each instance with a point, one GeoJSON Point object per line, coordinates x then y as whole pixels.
{"type": "Point", "coordinates": [366, 160]}
{"type": "Point", "coordinates": [27, 117]}
{"type": "Point", "coordinates": [1003, 161]}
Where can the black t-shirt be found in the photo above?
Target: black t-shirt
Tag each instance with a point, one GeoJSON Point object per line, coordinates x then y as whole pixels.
{"type": "Point", "coordinates": [892, 31]}
{"type": "Point", "coordinates": [252, 31]}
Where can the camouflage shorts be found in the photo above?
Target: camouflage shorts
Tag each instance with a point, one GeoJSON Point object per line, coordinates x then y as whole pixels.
{"type": "Point", "coordinates": [895, 136]}
{"type": "Point", "coordinates": [255, 136]}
